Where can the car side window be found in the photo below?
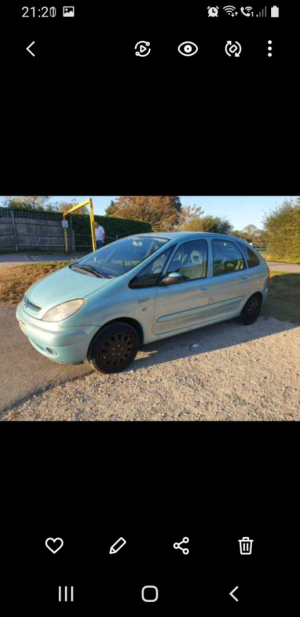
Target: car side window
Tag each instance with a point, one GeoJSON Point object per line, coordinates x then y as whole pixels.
{"type": "Point", "coordinates": [150, 274]}
{"type": "Point", "coordinates": [251, 258]}
{"type": "Point", "coordinates": [190, 260]}
{"type": "Point", "coordinates": [227, 257]}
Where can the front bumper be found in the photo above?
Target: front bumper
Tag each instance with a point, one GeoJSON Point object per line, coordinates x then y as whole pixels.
{"type": "Point", "coordinates": [66, 345]}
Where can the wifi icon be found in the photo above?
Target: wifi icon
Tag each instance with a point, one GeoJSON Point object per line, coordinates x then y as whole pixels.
{"type": "Point", "coordinates": [230, 10]}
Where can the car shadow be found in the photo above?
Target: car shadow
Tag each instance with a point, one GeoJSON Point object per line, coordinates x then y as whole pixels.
{"type": "Point", "coordinates": [283, 300]}
{"type": "Point", "coordinates": [207, 339]}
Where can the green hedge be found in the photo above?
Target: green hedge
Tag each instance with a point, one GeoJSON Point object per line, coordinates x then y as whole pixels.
{"type": "Point", "coordinates": [114, 227]}
{"type": "Point", "coordinates": [283, 232]}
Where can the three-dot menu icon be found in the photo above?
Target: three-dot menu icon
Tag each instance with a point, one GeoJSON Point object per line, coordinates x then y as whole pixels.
{"type": "Point", "coordinates": [270, 49]}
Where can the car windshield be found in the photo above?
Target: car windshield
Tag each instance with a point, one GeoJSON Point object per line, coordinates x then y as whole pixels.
{"type": "Point", "coordinates": [121, 256]}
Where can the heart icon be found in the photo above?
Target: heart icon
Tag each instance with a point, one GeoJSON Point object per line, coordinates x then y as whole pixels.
{"type": "Point", "coordinates": [54, 544]}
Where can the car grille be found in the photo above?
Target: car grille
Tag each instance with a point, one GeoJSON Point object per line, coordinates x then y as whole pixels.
{"type": "Point", "coordinates": [31, 305]}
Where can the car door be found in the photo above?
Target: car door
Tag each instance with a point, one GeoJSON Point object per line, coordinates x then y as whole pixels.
{"type": "Point", "coordinates": [230, 281]}
{"type": "Point", "coordinates": [181, 305]}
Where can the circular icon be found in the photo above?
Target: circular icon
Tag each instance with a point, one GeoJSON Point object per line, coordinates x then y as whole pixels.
{"type": "Point", "coordinates": [233, 49]}
{"type": "Point", "coordinates": [187, 48]}
{"type": "Point", "coordinates": [143, 49]}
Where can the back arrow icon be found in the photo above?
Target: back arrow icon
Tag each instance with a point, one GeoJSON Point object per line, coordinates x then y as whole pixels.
{"type": "Point", "coordinates": [232, 594]}
{"type": "Point", "coordinates": [28, 48]}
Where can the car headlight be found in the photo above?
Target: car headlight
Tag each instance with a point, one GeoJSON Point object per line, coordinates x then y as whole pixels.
{"type": "Point", "coordinates": [62, 311]}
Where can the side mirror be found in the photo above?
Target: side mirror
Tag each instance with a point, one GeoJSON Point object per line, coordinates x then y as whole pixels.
{"type": "Point", "coordinates": [172, 279]}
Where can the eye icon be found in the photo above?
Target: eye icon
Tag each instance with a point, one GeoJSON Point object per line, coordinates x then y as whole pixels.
{"type": "Point", "coordinates": [187, 48]}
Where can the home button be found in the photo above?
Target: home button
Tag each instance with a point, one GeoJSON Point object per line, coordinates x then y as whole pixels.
{"type": "Point", "coordinates": [149, 593]}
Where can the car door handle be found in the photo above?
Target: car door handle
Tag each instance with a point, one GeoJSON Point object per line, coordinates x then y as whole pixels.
{"type": "Point", "coordinates": [244, 278]}
{"type": "Point", "coordinates": [203, 288]}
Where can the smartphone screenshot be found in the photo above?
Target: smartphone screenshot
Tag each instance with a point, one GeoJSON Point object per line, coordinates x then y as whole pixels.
{"type": "Point", "coordinates": [150, 343]}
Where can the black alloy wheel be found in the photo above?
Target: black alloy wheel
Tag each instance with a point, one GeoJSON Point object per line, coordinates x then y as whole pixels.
{"type": "Point", "coordinates": [114, 348]}
{"type": "Point", "coordinates": [251, 310]}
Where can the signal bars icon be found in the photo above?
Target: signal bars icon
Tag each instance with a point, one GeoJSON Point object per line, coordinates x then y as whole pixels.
{"type": "Point", "coordinates": [263, 12]}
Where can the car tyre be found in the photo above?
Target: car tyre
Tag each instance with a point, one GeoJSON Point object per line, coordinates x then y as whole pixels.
{"type": "Point", "coordinates": [114, 348]}
{"type": "Point", "coordinates": [251, 310]}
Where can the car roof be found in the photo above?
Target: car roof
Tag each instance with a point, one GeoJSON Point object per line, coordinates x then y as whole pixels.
{"type": "Point", "coordinates": [191, 235]}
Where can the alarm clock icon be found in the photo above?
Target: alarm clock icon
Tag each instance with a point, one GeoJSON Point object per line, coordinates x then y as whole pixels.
{"type": "Point", "coordinates": [213, 11]}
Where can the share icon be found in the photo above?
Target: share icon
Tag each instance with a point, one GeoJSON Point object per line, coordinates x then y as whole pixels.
{"type": "Point", "coordinates": [176, 545]}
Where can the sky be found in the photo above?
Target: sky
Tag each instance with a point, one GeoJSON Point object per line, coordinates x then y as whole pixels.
{"type": "Point", "coordinates": [240, 211]}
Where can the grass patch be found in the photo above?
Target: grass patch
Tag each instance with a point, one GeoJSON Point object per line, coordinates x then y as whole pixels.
{"type": "Point", "coordinates": [283, 301]}
{"type": "Point", "coordinates": [282, 260]}
{"type": "Point", "coordinates": [15, 281]}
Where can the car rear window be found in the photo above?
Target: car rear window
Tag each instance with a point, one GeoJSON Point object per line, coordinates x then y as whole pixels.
{"type": "Point", "coordinates": [227, 257]}
{"type": "Point", "coordinates": [250, 256]}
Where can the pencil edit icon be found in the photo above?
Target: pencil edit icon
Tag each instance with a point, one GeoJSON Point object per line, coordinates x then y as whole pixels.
{"type": "Point", "coordinates": [116, 547]}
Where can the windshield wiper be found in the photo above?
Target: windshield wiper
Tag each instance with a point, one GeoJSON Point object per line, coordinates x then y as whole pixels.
{"type": "Point", "coordinates": [89, 269]}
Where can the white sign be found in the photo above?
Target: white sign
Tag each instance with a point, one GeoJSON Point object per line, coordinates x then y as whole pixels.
{"type": "Point", "coordinates": [65, 224]}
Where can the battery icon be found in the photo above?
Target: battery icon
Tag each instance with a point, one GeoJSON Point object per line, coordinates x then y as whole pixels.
{"type": "Point", "coordinates": [275, 11]}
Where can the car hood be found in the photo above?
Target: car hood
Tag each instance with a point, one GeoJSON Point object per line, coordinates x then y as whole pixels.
{"type": "Point", "coordinates": [63, 285]}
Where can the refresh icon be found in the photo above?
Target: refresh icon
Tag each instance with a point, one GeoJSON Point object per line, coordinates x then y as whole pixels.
{"type": "Point", "coordinates": [143, 49]}
{"type": "Point", "coordinates": [233, 49]}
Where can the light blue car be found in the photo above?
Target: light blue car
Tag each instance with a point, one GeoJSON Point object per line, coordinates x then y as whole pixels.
{"type": "Point", "coordinates": [140, 289]}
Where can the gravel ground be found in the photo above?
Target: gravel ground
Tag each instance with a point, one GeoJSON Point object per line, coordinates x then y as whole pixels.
{"type": "Point", "coordinates": [222, 372]}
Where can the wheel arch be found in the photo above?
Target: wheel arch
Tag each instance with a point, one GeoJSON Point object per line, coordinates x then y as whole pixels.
{"type": "Point", "coordinates": [128, 320]}
{"type": "Point", "coordinates": [256, 293]}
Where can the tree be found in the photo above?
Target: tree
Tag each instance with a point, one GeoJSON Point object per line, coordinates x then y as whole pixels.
{"type": "Point", "coordinates": [163, 213]}
{"type": "Point", "coordinates": [282, 230]}
{"type": "Point", "coordinates": [251, 230]}
{"type": "Point", "coordinates": [109, 210]}
{"type": "Point", "coordinates": [209, 223]}
{"type": "Point", "coordinates": [254, 233]}
{"type": "Point", "coordinates": [189, 217]}
{"type": "Point", "coordinates": [33, 202]}
{"type": "Point", "coordinates": [251, 234]}
{"type": "Point", "coordinates": [241, 234]}
{"type": "Point", "coordinates": [40, 203]}
{"type": "Point", "coordinates": [63, 206]}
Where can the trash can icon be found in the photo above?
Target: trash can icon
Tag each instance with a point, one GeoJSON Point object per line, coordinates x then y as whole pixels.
{"type": "Point", "coordinates": [246, 546]}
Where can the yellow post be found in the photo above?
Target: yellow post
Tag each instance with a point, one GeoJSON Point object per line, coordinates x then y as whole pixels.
{"type": "Point", "coordinates": [87, 202]}
{"type": "Point", "coordinates": [66, 235]}
{"type": "Point", "coordinates": [66, 240]}
{"type": "Point", "coordinates": [92, 225]}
